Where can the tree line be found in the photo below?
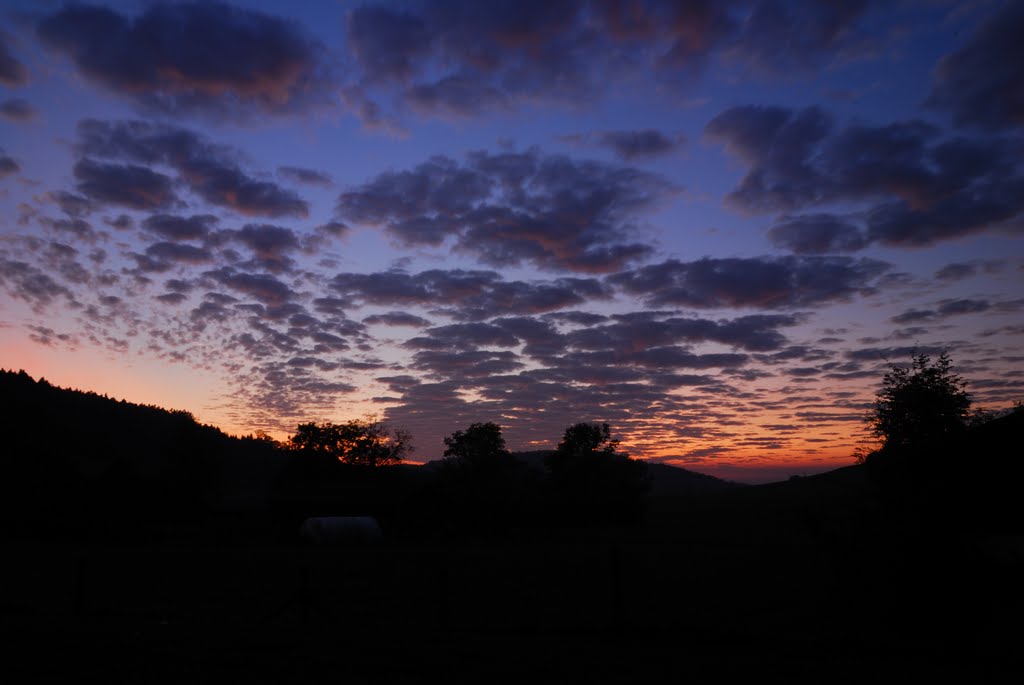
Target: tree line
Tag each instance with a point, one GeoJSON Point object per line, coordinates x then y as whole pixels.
{"type": "Point", "coordinates": [77, 462]}
{"type": "Point", "coordinates": [478, 487]}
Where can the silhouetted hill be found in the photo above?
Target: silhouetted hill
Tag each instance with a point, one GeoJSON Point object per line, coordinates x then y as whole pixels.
{"type": "Point", "coordinates": [971, 481]}
{"type": "Point", "coordinates": [79, 463]}
{"type": "Point", "coordinates": [666, 480]}
{"type": "Point", "coordinates": [674, 480]}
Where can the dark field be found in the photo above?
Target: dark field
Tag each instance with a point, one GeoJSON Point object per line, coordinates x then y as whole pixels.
{"type": "Point", "coordinates": [794, 581]}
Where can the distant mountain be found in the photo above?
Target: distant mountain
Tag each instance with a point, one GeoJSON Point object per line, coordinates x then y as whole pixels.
{"type": "Point", "coordinates": [674, 480]}
{"type": "Point", "coordinates": [665, 478]}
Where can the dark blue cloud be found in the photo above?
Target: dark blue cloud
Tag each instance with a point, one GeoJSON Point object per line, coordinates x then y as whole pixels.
{"type": "Point", "coordinates": [127, 185]}
{"type": "Point", "coordinates": [761, 282]}
{"type": "Point", "coordinates": [981, 83]}
{"type": "Point", "coordinates": [8, 165]}
{"type": "Point", "coordinates": [17, 109]}
{"type": "Point", "coordinates": [171, 227]}
{"type": "Point", "coordinates": [510, 208]}
{"type": "Point", "coordinates": [817, 234]}
{"type": "Point", "coordinates": [12, 72]}
{"type": "Point", "coordinates": [303, 175]}
{"type": "Point", "coordinates": [461, 294]}
{"type": "Point", "coordinates": [462, 57]}
{"type": "Point", "coordinates": [919, 187]}
{"type": "Point", "coordinates": [396, 319]}
{"type": "Point", "coordinates": [192, 56]}
{"type": "Point", "coordinates": [207, 169]}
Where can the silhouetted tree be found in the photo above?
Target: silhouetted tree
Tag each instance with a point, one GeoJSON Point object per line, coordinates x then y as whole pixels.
{"type": "Point", "coordinates": [591, 482]}
{"type": "Point", "coordinates": [481, 445]}
{"type": "Point", "coordinates": [921, 415]}
{"type": "Point", "coordinates": [481, 488]}
{"type": "Point", "coordinates": [925, 404]}
{"type": "Point", "coordinates": [358, 443]}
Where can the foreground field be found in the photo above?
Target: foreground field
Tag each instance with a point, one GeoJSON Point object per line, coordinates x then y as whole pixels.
{"type": "Point", "coordinates": [753, 584]}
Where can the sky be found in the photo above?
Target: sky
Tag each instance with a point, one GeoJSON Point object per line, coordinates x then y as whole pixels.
{"type": "Point", "coordinates": [712, 225]}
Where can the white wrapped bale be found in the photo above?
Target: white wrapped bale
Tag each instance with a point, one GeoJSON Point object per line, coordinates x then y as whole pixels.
{"type": "Point", "coordinates": [340, 530]}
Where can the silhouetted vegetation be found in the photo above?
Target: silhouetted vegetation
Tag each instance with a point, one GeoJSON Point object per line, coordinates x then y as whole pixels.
{"type": "Point", "coordinates": [77, 463]}
{"type": "Point", "coordinates": [480, 488]}
{"type": "Point", "coordinates": [940, 464]}
{"type": "Point", "coordinates": [591, 482]}
{"type": "Point", "coordinates": [921, 406]}
{"type": "Point", "coordinates": [850, 564]}
{"type": "Point", "coordinates": [358, 442]}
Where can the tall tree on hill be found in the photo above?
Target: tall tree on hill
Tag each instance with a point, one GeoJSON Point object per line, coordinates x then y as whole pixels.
{"type": "Point", "coordinates": [922, 405]}
{"type": "Point", "coordinates": [357, 442]}
{"type": "Point", "coordinates": [591, 482]}
{"type": "Point", "coordinates": [481, 487]}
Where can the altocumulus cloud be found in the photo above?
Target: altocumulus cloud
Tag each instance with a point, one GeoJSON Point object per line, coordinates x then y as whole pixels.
{"type": "Point", "coordinates": [209, 170]}
{"type": "Point", "coordinates": [919, 186]}
{"type": "Point", "coordinates": [207, 57]}
{"type": "Point", "coordinates": [509, 208]}
{"type": "Point", "coordinates": [759, 282]}
{"type": "Point", "coordinates": [460, 58]}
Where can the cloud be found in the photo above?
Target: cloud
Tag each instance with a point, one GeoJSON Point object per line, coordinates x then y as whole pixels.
{"type": "Point", "coordinates": [228, 186]}
{"type": "Point", "coordinates": [8, 165]}
{"type": "Point", "coordinates": [269, 244]}
{"type": "Point", "coordinates": [17, 109]}
{"type": "Point", "coordinates": [396, 319]}
{"type": "Point", "coordinates": [760, 282]}
{"type": "Point", "coordinates": [957, 271]}
{"type": "Point", "coordinates": [981, 83]}
{"type": "Point", "coordinates": [262, 287]}
{"type": "Point", "coordinates": [946, 308]}
{"type": "Point", "coordinates": [182, 58]}
{"type": "Point", "coordinates": [303, 175]}
{"type": "Point", "coordinates": [920, 188]}
{"type": "Point", "coordinates": [817, 234]}
{"type": "Point", "coordinates": [463, 336]}
{"type": "Point", "coordinates": [757, 332]}
{"type": "Point", "coordinates": [75, 206]}
{"type": "Point", "coordinates": [514, 207]}
{"type": "Point", "coordinates": [126, 185]}
{"type": "Point", "coordinates": [461, 294]}
{"type": "Point", "coordinates": [44, 335]}
{"type": "Point", "coordinates": [12, 72]}
{"type": "Point", "coordinates": [209, 170]}
{"type": "Point", "coordinates": [892, 354]}
{"type": "Point", "coordinates": [195, 227]}
{"type": "Point", "coordinates": [29, 283]}
{"type": "Point", "coordinates": [459, 58]}
{"type": "Point", "coordinates": [171, 298]}
{"type": "Point", "coordinates": [782, 36]}
{"type": "Point", "coordinates": [165, 252]}
{"type": "Point", "coordinates": [631, 145]}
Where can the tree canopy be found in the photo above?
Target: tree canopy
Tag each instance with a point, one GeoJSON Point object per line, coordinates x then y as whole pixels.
{"type": "Point", "coordinates": [920, 405]}
{"type": "Point", "coordinates": [357, 442]}
{"type": "Point", "coordinates": [481, 445]}
{"type": "Point", "coordinates": [591, 481]}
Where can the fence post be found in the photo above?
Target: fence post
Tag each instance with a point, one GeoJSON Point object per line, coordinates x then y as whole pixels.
{"type": "Point", "coordinates": [617, 610]}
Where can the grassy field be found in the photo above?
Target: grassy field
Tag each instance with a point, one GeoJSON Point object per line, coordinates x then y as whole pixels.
{"type": "Point", "coordinates": [793, 581]}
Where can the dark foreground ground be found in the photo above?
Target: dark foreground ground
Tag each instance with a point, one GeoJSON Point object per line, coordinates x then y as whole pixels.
{"type": "Point", "coordinates": [795, 582]}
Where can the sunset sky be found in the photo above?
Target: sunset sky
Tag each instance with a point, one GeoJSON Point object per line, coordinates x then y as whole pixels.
{"type": "Point", "coordinates": [710, 224]}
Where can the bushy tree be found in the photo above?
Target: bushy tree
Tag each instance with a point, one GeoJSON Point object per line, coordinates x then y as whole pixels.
{"type": "Point", "coordinates": [357, 442]}
{"type": "Point", "coordinates": [481, 445]}
{"type": "Point", "coordinates": [920, 405]}
{"type": "Point", "coordinates": [591, 482]}
{"type": "Point", "coordinates": [482, 489]}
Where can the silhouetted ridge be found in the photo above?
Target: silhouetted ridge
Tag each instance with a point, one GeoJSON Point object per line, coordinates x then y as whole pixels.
{"type": "Point", "coordinates": [78, 463]}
